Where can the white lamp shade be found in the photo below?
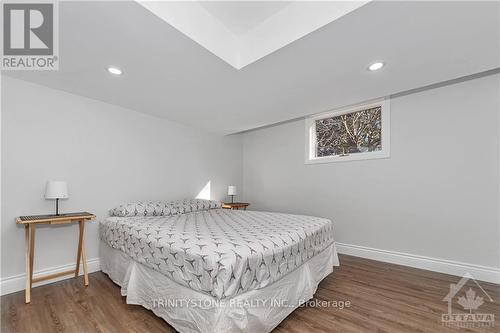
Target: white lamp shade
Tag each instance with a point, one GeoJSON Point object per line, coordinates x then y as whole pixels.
{"type": "Point", "coordinates": [56, 189]}
{"type": "Point", "coordinates": [231, 190]}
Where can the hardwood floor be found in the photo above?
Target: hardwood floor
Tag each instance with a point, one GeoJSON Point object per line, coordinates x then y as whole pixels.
{"type": "Point", "coordinates": [383, 297]}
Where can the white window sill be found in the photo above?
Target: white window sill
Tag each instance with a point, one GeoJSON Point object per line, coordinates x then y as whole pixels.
{"type": "Point", "coordinates": [352, 157]}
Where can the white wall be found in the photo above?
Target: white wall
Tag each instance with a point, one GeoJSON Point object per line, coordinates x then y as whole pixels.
{"type": "Point", "coordinates": [107, 154]}
{"type": "Point", "coordinates": [436, 196]}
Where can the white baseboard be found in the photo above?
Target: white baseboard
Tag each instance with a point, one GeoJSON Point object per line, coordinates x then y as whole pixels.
{"type": "Point", "coordinates": [15, 283]}
{"type": "Point", "coordinates": [483, 273]}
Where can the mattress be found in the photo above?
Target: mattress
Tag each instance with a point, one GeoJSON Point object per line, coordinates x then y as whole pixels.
{"type": "Point", "coordinates": [219, 252]}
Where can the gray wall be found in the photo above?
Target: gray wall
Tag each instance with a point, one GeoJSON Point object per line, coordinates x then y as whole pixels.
{"type": "Point", "coordinates": [107, 154]}
{"type": "Point", "coordinates": [436, 196]}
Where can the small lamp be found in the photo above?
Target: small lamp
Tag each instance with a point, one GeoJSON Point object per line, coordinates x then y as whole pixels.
{"type": "Point", "coordinates": [56, 189]}
{"type": "Point", "coordinates": [231, 191]}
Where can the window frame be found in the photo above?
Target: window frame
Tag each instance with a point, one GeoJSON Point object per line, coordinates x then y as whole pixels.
{"type": "Point", "coordinates": [310, 133]}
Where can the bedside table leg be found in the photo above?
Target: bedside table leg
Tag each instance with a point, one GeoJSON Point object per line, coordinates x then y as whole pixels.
{"type": "Point", "coordinates": [79, 250]}
{"type": "Point", "coordinates": [32, 251]}
{"type": "Point", "coordinates": [85, 271]}
{"type": "Point", "coordinates": [27, 239]}
{"type": "Point", "coordinates": [81, 254]}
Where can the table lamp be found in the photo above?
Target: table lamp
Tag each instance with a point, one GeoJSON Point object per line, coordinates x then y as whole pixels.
{"type": "Point", "coordinates": [56, 189]}
{"type": "Point", "coordinates": [231, 191]}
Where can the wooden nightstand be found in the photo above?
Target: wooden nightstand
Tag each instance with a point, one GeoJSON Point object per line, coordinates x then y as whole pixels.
{"type": "Point", "coordinates": [30, 223]}
{"type": "Point", "coordinates": [236, 205]}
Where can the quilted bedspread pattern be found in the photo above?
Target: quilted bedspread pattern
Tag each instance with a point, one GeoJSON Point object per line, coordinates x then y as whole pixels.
{"type": "Point", "coordinates": [220, 252]}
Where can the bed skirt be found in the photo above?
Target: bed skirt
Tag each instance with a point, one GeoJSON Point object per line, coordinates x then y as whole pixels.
{"type": "Point", "coordinates": [188, 310]}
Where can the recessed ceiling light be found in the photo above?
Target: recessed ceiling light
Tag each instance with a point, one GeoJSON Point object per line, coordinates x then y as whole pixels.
{"type": "Point", "coordinates": [376, 66]}
{"type": "Point", "coordinates": [115, 70]}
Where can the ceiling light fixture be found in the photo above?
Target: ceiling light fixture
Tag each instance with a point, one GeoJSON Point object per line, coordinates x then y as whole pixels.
{"type": "Point", "coordinates": [376, 66]}
{"type": "Point", "coordinates": [115, 70]}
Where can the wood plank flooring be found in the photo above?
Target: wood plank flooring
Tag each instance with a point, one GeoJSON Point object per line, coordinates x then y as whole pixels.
{"type": "Point", "coordinates": [383, 297]}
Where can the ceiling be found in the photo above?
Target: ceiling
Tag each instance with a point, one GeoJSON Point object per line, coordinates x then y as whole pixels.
{"type": "Point", "coordinates": [167, 74]}
{"type": "Point", "coordinates": [242, 32]}
{"type": "Point", "coordinates": [241, 16]}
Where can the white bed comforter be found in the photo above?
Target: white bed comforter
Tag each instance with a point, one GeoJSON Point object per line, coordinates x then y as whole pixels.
{"type": "Point", "coordinates": [220, 252]}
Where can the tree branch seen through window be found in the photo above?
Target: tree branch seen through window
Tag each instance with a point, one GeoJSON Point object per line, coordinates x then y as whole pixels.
{"type": "Point", "coordinates": [355, 132]}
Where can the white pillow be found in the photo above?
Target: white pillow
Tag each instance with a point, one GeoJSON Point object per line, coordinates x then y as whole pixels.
{"type": "Point", "coordinates": [164, 208]}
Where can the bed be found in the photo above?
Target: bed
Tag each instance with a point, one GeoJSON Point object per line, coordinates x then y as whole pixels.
{"type": "Point", "coordinates": [207, 269]}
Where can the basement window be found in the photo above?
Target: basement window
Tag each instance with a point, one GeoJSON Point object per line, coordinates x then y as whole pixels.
{"type": "Point", "coordinates": [354, 133]}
